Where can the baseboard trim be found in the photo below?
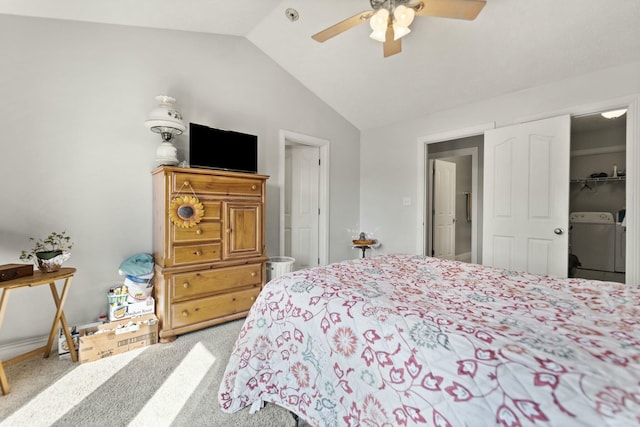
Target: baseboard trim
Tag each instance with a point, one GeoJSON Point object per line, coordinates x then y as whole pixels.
{"type": "Point", "coordinates": [14, 349]}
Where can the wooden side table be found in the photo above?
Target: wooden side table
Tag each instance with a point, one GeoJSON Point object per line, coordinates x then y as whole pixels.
{"type": "Point", "coordinates": [39, 278]}
{"type": "Point", "coordinates": [363, 245]}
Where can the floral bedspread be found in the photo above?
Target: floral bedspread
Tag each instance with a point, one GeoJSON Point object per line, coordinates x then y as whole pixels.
{"type": "Point", "coordinates": [400, 340]}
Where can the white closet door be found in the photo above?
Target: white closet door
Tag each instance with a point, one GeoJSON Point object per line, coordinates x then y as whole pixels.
{"type": "Point", "coordinates": [526, 197]}
{"type": "Point", "coordinates": [304, 211]}
{"type": "Point", "coordinates": [444, 209]}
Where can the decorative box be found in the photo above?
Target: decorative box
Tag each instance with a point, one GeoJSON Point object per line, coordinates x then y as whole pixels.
{"type": "Point", "coordinates": [13, 271]}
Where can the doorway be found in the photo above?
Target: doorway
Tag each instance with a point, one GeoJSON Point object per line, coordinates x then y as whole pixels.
{"type": "Point", "coordinates": [301, 204]}
{"type": "Point", "coordinates": [597, 197]}
{"type": "Point", "coordinates": [461, 241]}
{"type": "Point", "coordinates": [304, 202]}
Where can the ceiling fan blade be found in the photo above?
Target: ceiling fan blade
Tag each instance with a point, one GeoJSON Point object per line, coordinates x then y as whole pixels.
{"type": "Point", "coordinates": [342, 26]}
{"type": "Point", "coordinates": [458, 9]}
{"type": "Point", "coordinates": [391, 46]}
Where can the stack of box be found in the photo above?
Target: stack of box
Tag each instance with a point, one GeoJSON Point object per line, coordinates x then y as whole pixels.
{"type": "Point", "coordinates": [134, 296]}
{"type": "Point", "coordinates": [121, 307]}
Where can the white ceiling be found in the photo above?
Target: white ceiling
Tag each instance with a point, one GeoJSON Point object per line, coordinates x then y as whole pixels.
{"type": "Point", "coordinates": [512, 45]}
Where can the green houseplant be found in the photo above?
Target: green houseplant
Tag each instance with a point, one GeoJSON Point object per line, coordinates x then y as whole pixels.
{"type": "Point", "coordinates": [49, 253]}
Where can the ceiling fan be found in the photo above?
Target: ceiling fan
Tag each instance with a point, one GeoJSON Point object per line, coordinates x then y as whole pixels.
{"type": "Point", "coordinates": [390, 19]}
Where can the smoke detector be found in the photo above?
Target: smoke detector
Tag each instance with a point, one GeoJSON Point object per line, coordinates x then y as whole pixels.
{"type": "Point", "coordinates": [292, 14]}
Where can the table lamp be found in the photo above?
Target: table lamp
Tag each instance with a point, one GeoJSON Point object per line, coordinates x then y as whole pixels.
{"type": "Point", "coordinates": [167, 121]}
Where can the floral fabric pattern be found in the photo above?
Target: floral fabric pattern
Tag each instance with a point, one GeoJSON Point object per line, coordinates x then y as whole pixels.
{"type": "Point", "coordinates": [400, 340]}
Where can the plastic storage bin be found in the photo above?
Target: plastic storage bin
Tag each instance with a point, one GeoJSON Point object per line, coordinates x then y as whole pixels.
{"type": "Point", "coordinates": [277, 266]}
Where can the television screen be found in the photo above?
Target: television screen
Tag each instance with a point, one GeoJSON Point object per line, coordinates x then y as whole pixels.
{"type": "Point", "coordinates": [222, 149]}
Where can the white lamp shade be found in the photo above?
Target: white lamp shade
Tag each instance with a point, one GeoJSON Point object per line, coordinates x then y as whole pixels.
{"type": "Point", "coordinates": [403, 16]}
{"type": "Point", "coordinates": [380, 36]}
{"type": "Point", "coordinates": [379, 20]}
{"type": "Point", "coordinates": [399, 32]}
{"type": "Point", "coordinates": [165, 117]}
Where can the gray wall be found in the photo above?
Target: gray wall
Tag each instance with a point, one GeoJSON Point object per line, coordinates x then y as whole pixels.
{"type": "Point", "coordinates": [77, 157]}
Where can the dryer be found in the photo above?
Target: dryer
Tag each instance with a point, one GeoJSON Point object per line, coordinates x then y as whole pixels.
{"type": "Point", "coordinates": [593, 239]}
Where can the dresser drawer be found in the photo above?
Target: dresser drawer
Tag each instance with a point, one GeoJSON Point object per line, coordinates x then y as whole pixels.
{"type": "Point", "coordinates": [204, 309]}
{"type": "Point", "coordinates": [194, 254]}
{"type": "Point", "coordinates": [188, 285]}
{"type": "Point", "coordinates": [220, 185]}
{"type": "Point", "coordinates": [199, 232]}
{"type": "Point", "coordinates": [211, 209]}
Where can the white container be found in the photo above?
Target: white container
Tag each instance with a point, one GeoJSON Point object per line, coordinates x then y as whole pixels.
{"type": "Point", "coordinates": [277, 266]}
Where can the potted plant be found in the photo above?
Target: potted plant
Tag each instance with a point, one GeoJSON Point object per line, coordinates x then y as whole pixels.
{"type": "Point", "coordinates": [49, 253]}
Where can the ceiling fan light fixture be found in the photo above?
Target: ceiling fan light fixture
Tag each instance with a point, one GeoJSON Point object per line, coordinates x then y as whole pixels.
{"type": "Point", "coordinates": [614, 114]}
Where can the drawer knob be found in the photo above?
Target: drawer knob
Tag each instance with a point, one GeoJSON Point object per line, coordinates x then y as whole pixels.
{"type": "Point", "coordinates": [187, 183]}
{"type": "Point", "coordinates": [185, 313]}
{"type": "Point", "coordinates": [254, 274]}
{"type": "Point", "coordinates": [198, 253]}
{"type": "Point", "coordinates": [253, 187]}
{"type": "Point", "coordinates": [199, 231]}
{"type": "Point", "coordinates": [185, 285]}
{"type": "Point", "coordinates": [253, 298]}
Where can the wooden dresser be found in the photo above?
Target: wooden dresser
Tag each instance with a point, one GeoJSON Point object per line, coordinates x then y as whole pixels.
{"type": "Point", "coordinates": [211, 272]}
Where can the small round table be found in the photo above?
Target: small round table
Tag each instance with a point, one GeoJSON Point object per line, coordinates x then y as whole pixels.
{"type": "Point", "coordinates": [363, 245]}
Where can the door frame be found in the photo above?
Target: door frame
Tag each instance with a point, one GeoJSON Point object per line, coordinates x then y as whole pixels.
{"type": "Point", "coordinates": [632, 103]}
{"type": "Point", "coordinates": [424, 205]}
{"type": "Point", "coordinates": [323, 190]}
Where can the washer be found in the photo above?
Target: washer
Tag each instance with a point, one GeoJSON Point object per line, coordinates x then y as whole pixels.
{"type": "Point", "coordinates": [593, 240]}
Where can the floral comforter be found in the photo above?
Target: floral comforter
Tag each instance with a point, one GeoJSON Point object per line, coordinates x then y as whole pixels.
{"type": "Point", "coordinates": [401, 340]}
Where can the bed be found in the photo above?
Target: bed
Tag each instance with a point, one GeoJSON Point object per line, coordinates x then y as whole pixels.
{"type": "Point", "coordinates": [402, 340]}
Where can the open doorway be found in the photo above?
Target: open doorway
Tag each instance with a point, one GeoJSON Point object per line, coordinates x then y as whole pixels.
{"type": "Point", "coordinates": [304, 199]}
{"type": "Point", "coordinates": [597, 197]}
{"type": "Point", "coordinates": [301, 212]}
{"type": "Point", "coordinates": [454, 212]}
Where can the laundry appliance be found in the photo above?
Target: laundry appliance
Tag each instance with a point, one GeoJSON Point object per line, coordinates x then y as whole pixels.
{"type": "Point", "coordinates": [592, 237]}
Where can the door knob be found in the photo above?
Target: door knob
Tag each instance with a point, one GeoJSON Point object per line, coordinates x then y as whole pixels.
{"type": "Point", "coordinates": [558, 231]}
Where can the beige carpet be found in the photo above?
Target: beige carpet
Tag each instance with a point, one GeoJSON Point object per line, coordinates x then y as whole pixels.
{"type": "Point", "coordinates": [173, 384]}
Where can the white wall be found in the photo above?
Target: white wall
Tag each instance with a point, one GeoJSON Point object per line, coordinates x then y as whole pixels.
{"type": "Point", "coordinates": [389, 170]}
{"type": "Point", "coordinates": [76, 155]}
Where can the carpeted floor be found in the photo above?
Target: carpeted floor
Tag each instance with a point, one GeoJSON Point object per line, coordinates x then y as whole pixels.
{"type": "Point", "coordinates": [173, 384]}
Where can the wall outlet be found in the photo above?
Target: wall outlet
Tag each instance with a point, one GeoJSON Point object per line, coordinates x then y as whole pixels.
{"type": "Point", "coordinates": [406, 201]}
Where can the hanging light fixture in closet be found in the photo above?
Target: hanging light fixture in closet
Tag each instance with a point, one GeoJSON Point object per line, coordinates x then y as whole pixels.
{"type": "Point", "coordinates": [614, 114]}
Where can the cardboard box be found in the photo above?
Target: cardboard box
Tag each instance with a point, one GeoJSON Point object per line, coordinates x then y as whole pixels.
{"type": "Point", "coordinates": [63, 348]}
{"type": "Point", "coordinates": [111, 338]}
{"type": "Point", "coordinates": [127, 310]}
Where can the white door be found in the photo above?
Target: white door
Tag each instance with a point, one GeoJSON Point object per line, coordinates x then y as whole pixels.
{"type": "Point", "coordinates": [444, 209]}
{"type": "Point", "coordinates": [301, 204]}
{"type": "Point", "coordinates": [526, 197]}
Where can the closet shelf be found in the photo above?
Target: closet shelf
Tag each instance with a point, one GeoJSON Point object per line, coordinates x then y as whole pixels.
{"type": "Point", "coordinates": [602, 179]}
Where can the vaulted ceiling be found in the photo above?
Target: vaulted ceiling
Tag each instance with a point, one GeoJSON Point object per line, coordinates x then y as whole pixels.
{"type": "Point", "coordinates": [512, 45]}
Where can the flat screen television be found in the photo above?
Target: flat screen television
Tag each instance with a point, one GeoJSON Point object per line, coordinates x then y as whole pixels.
{"type": "Point", "coordinates": [222, 149]}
